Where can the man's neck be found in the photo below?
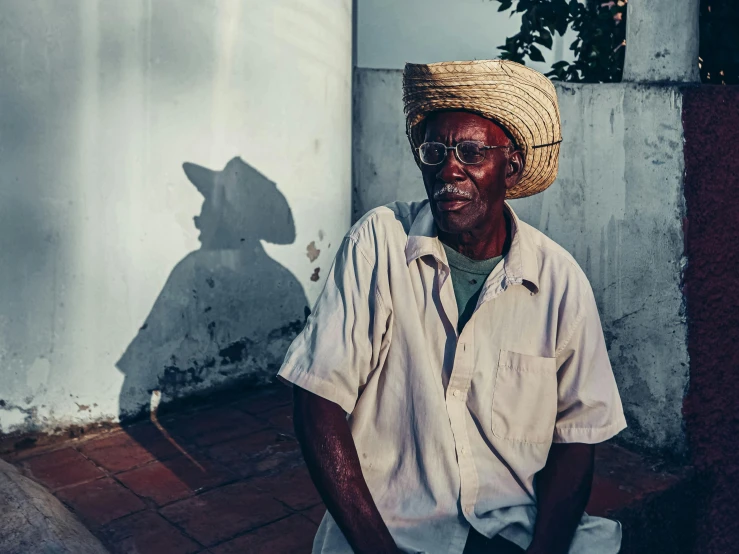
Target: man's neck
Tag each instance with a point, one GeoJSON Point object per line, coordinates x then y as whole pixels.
{"type": "Point", "coordinates": [482, 244]}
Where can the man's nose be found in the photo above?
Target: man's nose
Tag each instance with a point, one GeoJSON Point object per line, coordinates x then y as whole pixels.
{"type": "Point", "coordinates": [450, 169]}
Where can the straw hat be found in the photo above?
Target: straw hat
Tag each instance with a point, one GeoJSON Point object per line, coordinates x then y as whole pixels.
{"type": "Point", "coordinates": [517, 97]}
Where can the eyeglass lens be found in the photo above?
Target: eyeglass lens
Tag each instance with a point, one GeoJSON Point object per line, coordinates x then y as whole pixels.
{"type": "Point", "coordinates": [468, 152]}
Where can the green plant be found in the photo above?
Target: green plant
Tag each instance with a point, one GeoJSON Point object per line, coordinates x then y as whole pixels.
{"type": "Point", "coordinates": [599, 46]}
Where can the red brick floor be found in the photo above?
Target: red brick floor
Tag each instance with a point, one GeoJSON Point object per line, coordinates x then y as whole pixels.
{"type": "Point", "coordinates": [229, 478]}
{"type": "Point", "coordinates": [219, 479]}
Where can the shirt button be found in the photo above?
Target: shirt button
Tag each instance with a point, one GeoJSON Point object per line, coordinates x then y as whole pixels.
{"type": "Point", "coordinates": [462, 450]}
{"type": "Point", "coordinates": [456, 392]}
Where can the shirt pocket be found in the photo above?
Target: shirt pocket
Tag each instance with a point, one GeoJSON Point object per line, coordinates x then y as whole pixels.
{"type": "Point", "coordinates": [524, 398]}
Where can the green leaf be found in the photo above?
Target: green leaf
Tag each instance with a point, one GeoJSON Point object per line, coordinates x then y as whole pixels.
{"type": "Point", "coordinates": [505, 5]}
{"type": "Point", "coordinates": [525, 5]}
{"type": "Point", "coordinates": [561, 25]}
{"type": "Point", "coordinates": [535, 54]}
{"type": "Point", "coordinates": [545, 39]}
{"type": "Point", "coordinates": [560, 7]}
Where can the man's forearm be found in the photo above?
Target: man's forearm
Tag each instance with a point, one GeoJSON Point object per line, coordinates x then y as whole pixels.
{"type": "Point", "coordinates": [333, 463]}
{"type": "Point", "coordinates": [563, 490]}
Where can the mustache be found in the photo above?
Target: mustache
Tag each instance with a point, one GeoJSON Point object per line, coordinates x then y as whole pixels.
{"type": "Point", "coordinates": [448, 188]}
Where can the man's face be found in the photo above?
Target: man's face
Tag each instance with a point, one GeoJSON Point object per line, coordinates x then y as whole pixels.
{"type": "Point", "coordinates": [469, 197]}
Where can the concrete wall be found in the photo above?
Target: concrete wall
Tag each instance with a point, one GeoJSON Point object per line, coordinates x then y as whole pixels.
{"type": "Point", "coordinates": [108, 289]}
{"type": "Point", "coordinates": [617, 206]}
{"type": "Point", "coordinates": [662, 38]}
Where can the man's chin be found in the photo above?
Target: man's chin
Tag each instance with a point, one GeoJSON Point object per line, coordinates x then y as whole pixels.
{"type": "Point", "coordinates": [454, 223]}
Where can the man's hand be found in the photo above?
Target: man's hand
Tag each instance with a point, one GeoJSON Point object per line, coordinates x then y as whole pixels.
{"type": "Point", "coordinates": [333, 463]}
{"type": "Point", "coordinates": [563, 490]}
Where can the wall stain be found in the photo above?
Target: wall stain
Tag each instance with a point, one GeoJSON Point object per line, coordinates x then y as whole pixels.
{"type": "Point", "coordinates": [288, 331]}
{"type": "Point", "coordinates": [30, 413]}
{"type": "Point", "coordinates": [175, 377]}
{"type": "Point", "coordinates": [613, 113]}
{"type": "Point", "coordinates": [235, 352]}
{"type": "Point", "coordinates": [315, 276]}
{"type": "Point", "coordinates": [313, 252]}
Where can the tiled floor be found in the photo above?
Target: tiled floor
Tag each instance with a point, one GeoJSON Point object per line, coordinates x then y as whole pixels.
{"type": "Point", "coordinates": [219, 479]}
{"type": "Point", "coordinates": [229, 478]}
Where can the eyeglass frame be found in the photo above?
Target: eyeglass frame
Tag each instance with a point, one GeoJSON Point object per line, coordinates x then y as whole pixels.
{"type": "Point", "coordinates": [456, 152]}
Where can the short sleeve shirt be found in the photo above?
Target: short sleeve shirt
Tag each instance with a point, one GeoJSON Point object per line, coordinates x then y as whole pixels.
{"type": "Point", "coordinates": [451, 428]}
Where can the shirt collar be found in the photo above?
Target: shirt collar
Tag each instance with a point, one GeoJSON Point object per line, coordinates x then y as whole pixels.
{"type": "Point", "coordinates": [519, 265]}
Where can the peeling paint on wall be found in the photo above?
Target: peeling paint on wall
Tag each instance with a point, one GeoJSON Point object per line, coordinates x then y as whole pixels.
{"type": "Point", "coordinates": [13, 417]}
{"type": "Point", "coordinates": [313, 252]}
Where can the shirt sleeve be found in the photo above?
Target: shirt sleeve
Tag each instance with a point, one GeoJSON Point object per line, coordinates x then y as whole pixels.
{"type": "Point", "coordinates": [589, 407]}
{"type": "Point", "coordinates": [343, 339]}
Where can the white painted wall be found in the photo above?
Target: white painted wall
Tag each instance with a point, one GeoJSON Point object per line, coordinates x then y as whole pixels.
{"type": "Point", "coordinates": [617, 206]}
{"type": "Point", "coordinates": [102, 103]}
{"type": "Point", "coordinates": [391, 33]}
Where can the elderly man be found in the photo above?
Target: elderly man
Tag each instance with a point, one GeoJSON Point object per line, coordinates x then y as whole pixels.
{"type": "Point", "coordinates": [453, 377]}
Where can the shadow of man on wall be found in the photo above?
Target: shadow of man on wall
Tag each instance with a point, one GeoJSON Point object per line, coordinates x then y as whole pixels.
{"type": "Point", "coordinates": [228, 310]}
{"type": "Point", "coordinates": [225, 316]}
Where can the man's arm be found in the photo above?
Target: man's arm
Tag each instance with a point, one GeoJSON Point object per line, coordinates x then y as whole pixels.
{"type": "Point", "coordinates": [562, 489]}
{"type": "Point", "coordinates": [333, 463]}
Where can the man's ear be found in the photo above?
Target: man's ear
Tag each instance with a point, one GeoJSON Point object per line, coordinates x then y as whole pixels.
{"type": "Point", "coordinates": [514, 169]}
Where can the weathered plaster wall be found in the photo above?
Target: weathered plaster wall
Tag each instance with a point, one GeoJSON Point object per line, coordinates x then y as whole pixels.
{"type": "Point", "coordinates": [616, 206]}
{"type": "Point", "coordinates": [662, 38]}
{"type": "Point", "coordinates": [108, 288]}
{"type": "Point", "coordinates": [712, 289]}
{"type": "Point", "coordinates": [384, 170]}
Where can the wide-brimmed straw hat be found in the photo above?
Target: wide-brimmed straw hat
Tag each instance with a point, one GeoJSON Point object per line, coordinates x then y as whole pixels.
{"type": "Point", "coordinates": [518, 98]}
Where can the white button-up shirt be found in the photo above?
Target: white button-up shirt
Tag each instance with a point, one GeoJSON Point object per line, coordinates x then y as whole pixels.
{"type": "Point", "coordinates": [451, 428]}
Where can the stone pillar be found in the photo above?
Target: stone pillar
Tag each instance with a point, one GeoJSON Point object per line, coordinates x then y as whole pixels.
{"type": "Point", "coordinates": [662, 41]}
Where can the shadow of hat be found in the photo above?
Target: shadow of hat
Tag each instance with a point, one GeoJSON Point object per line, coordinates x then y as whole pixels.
{"type": "Point", "coordinates": [248, 203]}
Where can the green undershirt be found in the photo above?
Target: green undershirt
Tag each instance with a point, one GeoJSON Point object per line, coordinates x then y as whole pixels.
{"type": "Point", "coordinates": [468, 277]}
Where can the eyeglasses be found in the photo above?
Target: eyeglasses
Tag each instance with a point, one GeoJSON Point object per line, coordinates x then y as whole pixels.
{"type": "Point", "coordinates": [468, 152]}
